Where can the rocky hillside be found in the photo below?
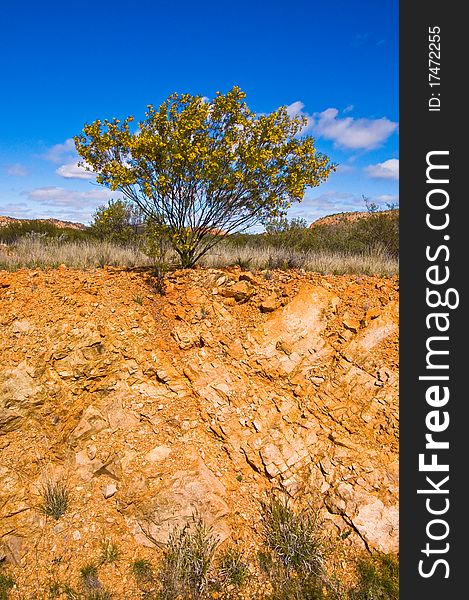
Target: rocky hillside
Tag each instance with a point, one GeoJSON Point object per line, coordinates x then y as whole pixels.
{"type": "Point", "coordinates": [152, 407]}
{"type": "Point", "coordinates": [349, 217]}
{"type": "Point", "coordinates": [57, 222]}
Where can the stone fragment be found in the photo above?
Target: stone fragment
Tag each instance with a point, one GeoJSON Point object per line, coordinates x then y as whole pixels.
{"type": "Point", "coordinates": [269, 305]}
{"type": "Point", "coordinates": [109, 490]}
{"type": "Point", "coordinates": [158, 453]}
{"type": "Point", "coordinates": [241, 291]}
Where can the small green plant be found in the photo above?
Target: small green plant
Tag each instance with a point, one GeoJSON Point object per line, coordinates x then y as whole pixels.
{"type": "Point", "coordinates": [69, 592]}
{"type": "Point", "coordinates": [55, 498]}
{"type": "Point", "coordinates": [58, 590]}
{"type": "Point", "coordinates": [232, 567]}
{"type": "Point", "coordinates": [239, 477]}
{"type": "Point", "coordinates": [378, 578]}
{"type": "Point", "coordinates": [187, 561]}
{"type": "Point", "coordinates": [109, 551]}
{"type": "Point", "coordinates": [142, 570]}
{"type": "Point", "coordinates": [244, 263]}
{"type": "Point", "coordinates": [89, 577]}
{"type": "Point", "coordinates": [138, 299]}
{"type": "Point", "coordinates": [6, 584]}
{"type": "Point", "coordinates": [292, 535]}
{"type": "Point", "coordinates": [293, 560]}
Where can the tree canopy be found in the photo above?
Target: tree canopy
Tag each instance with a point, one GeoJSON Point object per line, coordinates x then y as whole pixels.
{"type": "Point", "coordinates": [203, 168]}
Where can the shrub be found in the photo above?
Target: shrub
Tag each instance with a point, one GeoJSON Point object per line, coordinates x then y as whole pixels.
{"type": "Point", "coordinates": [55, 496]}
{"type": "Point", "coordinates": [187, 561]}
{"type": "Point", "coordinates": [293, 536]}
{"type": "Point", "coordinates": [378, 578]}
{"type": "Point", "coordinates": [6, 583]}
{"type": "Point", "coordinates": [11, 233]}
{"type": "Point", "coordinates": [142, 571]}
{"type": "Point", "coordinates": [118, 221]}
{"type": "Point", "coordinates": [109, 551]}
{"type": "Point", "coordinates": [232, 567]}
{"type": "Point", "coordinates": [293, 561]}
{"type": "Point", "coordinates": [89, 577]}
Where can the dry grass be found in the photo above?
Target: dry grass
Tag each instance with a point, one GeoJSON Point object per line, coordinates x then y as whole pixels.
{"type": "Point", "coordinates": [36, 252]}
{"type": "Point", "coordinates": [377, 262]}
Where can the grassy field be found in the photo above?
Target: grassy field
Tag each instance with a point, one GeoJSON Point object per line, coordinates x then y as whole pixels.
{"type": "Point", "coordinates": [38, 253]}
{"type": "Point", "coordinates": [367, 246]}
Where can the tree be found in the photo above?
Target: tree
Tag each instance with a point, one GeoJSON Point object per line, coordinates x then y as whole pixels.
{"type": "Point", "coordinates": [282, 225]}
{"type": "Point", "coordinates": [118, 221]}
{"type": "Point", "coordinates": [205, 168]}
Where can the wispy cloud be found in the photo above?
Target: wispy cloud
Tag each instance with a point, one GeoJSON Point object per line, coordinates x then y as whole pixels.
{"type": "Point", "coordinates": [17, 170]}
{"type": "Point", "coordinates": [69, 205]}
{"type": "Point", "coordinates": [348, 108]}
{"type": "Point", "coordinates": [327, 203]}
{"type": "Point", "coordinates": [386, 199]}
{"type": "Point", "coordinates": [74, 171]}
{"type": "Point", "coordinates": [361, 38]}
{"type": "Point", "coordinates": [61, 153]}
{"type": "Point", "coordinates": [59, 196]}
{"type": "Point", "coordinates": [389, 169]}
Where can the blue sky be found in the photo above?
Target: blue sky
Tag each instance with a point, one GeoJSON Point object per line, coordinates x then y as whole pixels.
{"type": "Point", "coordinates": [64, 64]}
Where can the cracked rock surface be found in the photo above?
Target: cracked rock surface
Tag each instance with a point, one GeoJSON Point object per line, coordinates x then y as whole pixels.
{"type": "Point", "coordinates": [153, 408]}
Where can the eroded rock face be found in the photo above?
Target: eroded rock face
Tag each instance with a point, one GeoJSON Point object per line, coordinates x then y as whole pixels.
{"type": "Point", "coordinates": [190, 493]}
{"type": "Point", "coordinates": [195, 403]}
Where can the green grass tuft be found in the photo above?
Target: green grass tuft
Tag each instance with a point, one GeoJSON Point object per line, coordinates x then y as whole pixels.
{"type": "Point", "coordinates": [55, 499]}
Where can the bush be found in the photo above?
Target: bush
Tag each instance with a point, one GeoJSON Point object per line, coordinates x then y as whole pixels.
{"type": "Point", "coordinates": [378, 578]}
{"type": "Point", "coordinates": [187, 561]}
{"type": "Point", "coordinates": [293, 561]}
{"type": "Point", "coordinates": [142, 571]}
{"type": "Point", "coordinates": [293, 536]}
{"type": "Point", "coordinates": [109, 551]}
{"type": "Point", "coordinates": [89, 577]}
{"type": "Point", "coordinates": [232, 567]}
{"type": "Point", "coordinates": [6, 583]}
{"type": "Point", "coordinates": [55, 499]}
{"type": "Point", "coordinates": [118, 221]}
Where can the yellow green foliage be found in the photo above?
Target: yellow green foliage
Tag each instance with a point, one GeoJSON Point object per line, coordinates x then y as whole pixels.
{"type": "Point", "coordinates": [198, 165]}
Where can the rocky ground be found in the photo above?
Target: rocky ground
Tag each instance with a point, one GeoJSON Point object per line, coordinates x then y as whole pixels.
{"type": "Point", "coordinates": [151, 407]}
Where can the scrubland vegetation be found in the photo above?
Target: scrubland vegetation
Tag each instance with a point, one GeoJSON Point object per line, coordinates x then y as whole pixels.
{"type": "Point", "coordinates": [367, 246]}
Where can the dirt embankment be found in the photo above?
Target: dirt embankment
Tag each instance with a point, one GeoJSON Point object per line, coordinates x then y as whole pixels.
{"type": "Point", "coordinates": [152, 407]}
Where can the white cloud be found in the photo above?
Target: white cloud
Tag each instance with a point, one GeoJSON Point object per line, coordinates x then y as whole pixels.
{"type": "Point", "coordinates": [58, 196]}
{"type": "Point", "coordinates": [61, 153]}
{"type": "Point", "coordinates": [17, 170]}
{"type": "Point", "coordinates": [68, 205]}
{"type": "Point", "coordinates": [389, 169]}
{"type": "Point", "coordinates": [295, 109]}
{"type": "Point", "coordinates": [345, 168]}
{"type": "Point", "coordinates": [352, 133]}
{"type": "Point", "coordinates": [74, 171]}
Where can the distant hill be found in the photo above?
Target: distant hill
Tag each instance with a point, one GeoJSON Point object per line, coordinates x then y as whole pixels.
{"type": "Point", "coordinates": [4, 221]}
{"type": "Point", "coordinates": [350, 217]}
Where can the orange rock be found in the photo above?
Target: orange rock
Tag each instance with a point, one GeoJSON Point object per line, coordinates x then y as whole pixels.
{"type": "Point", "coordinates": [373, 313]}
